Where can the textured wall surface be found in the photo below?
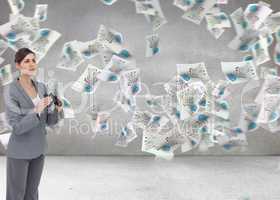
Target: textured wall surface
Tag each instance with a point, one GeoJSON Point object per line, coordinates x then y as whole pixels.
{"type": "Point", "coordinates": [180, 42]}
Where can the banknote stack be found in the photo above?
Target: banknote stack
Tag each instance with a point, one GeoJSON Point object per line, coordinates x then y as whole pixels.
{"type": "Point", "coordinates": [217, 22]}
{"type": "Point", "coordinates": [192, 72]}
{"type": "Point", "coordinates": [152, 11]}
{"type": "Point", "coordinates": [195, 11]}
{"type": "Point", "coordinates": [41, 12]}
{"type": "Point", "coordinates": [127, 135]}
{"type": "Point", "coordinates": [68, 111]}
{"type": "Point", "coordinates": [70, 57]}
{"type": "Point", "coordinates": [88, 81]}
{"type": "Point", "coordinates": [99, 119]}
{"type": "Point", "coordinates": [254, 28]}
{"type": "Point", "coordinates": [155, 132]}
{"type": "Point", "coordinates": [112, 41]}
{"type": "Point", "coordinates": [268, 102]}
{"type": "Point", "coordinates": [102, 122]}
{"type": "Point", "coordinates": [113, 70]}
{"type": "Point", "coordinates": [158, 144]}
{"type": "Point", "coordinates": [238, 72]}
{"type": "Point", "coordinates": [264, 110]}
{"type": "Point", "coordinates": [107, 44]}
{"type": "Point", "coordinates": [22, 31]}
{"type": "Point", "coordinates": [248, 117]}
{"type": "Point", "coordinates": [152, 45]}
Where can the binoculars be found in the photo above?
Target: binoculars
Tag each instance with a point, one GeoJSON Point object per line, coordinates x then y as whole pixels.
{"type": "Point", "coordinates": [55, 99]}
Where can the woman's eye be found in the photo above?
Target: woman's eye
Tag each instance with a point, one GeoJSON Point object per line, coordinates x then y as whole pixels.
{"type": "Point", "coordinates": [28, 61]}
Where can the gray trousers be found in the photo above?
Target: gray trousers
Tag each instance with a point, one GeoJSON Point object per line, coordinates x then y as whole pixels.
{"type": "Point", "coordinates": [23, 178]}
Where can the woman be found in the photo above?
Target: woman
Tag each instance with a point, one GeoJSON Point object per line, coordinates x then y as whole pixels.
{"type": "Point", "coordinates": [27, 102]}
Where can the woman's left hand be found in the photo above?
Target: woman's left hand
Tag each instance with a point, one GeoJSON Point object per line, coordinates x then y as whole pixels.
{"type": "Point", "coordinates": [59, 108]}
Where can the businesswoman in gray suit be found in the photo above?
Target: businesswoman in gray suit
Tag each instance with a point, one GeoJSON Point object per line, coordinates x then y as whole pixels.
{"type": "Point", "coordinates": [26, 102]}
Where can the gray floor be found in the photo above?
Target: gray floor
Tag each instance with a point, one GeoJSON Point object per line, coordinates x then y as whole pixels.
{"type": "Point", "coordinates": [143, 178]}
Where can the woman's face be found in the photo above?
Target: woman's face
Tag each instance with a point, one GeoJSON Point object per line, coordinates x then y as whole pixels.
{"type": "Point", "coordinates": [28, 65]}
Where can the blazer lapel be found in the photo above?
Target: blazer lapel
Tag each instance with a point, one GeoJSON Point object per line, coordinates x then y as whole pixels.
{"type": "Point", "coordinates": [38, 89]}
{"type": "Point", "coordinates": [22, 91]}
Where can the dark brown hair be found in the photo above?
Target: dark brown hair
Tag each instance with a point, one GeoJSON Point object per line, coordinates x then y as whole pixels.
{"type": "Point", "coordinates": [21, 53]}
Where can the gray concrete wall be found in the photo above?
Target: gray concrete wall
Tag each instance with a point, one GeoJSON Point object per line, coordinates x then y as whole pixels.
{"type": "Point", "coordinates": [180, 41]}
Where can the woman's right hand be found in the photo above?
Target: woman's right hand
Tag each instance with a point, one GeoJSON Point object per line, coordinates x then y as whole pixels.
{"type": "Point", "coordinates": [43, 103]}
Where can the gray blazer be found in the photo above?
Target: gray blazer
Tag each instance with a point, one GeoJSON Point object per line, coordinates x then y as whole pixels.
{"type": "Point", "coordinates": [28, 138]}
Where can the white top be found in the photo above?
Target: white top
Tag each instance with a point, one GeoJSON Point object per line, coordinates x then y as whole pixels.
{"type": "Point", "coordinates": [36, 100]}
